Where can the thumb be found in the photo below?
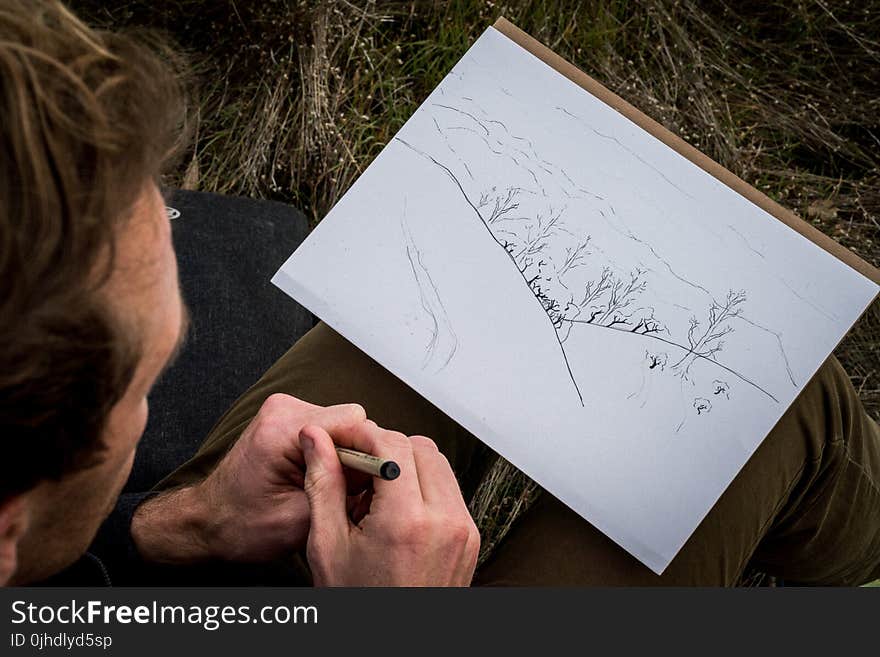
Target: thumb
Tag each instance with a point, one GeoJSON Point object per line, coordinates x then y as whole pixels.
{"type": "Point", "coordinates": [324, 486]}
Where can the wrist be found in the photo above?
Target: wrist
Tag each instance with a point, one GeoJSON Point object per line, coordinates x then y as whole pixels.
{"type": "Point", "coordinates": [176, 527]}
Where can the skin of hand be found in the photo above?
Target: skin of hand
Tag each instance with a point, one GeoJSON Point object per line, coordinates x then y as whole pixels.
{"type": "Point", "coordinates": [252, 507]}
{"type": "Point", "coordinates": [415, 530]}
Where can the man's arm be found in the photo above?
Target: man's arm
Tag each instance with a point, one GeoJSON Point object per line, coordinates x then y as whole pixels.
{"type": "Point", "coordinates": [175, 527]}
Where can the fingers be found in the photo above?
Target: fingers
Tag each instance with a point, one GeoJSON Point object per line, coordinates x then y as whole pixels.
{"type": "Point", "coordinates": [337, 418]}
{"type": "Point", "coordinates": [340, 416]}
{"type": "Point", "coordinates": [415, 530]}
{"type": "Point", "coordinates": [372, 439]}
{"type": "Point", "coordinates": [325, 487]}
{"type": "Point", "coordinates": [363, 437]}
{"type": "Point", "coordinates": [281, 416]}
{"type": "Point", "coordinates": [436, 479]}
{"type": "Point", "coordinates": [442, 495]}
{"type": "Point", "coordinates": [348, 427]}
{"type": "Point", "coordinates": [282, 409]}
{"type": "Point", "coordinates": [470, 555]}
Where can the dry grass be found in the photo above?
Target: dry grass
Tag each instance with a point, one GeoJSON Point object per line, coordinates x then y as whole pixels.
{"type": "Point", "coordinates": [298, 97]}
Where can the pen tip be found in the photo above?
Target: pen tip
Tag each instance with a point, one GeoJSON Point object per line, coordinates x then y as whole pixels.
{"type": "Point", "coordinates": [389, 470]}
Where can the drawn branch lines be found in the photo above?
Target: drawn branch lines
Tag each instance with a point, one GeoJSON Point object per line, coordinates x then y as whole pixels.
{"type": "Point", "coordinates": [560, 268]}
{"type": "Point", "coordinates": [690, 353]}
{"type": "Point", "coordinates": [443, 342]}
{"type": "Point", "coordinates": [609, 214]}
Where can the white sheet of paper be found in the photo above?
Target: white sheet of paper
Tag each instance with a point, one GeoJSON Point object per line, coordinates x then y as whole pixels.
{"type": "Point", "coordinates": [613, 320]}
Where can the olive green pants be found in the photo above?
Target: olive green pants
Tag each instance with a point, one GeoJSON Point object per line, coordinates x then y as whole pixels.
{"type": "Point", "coordinates": [805, 507]}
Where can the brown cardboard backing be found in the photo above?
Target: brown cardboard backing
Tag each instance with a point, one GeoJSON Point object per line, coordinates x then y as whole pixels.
{"type": "Point", "coordinates": [580, 78]}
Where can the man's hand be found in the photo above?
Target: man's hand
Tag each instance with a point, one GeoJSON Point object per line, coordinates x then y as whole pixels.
{"type": "Point", "coordinates": [252, 507]}
{"type": "Point", "coordinates": [417, 530]}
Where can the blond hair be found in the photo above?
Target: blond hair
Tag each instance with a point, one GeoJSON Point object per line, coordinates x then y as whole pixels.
{"type": "Point", "coordinates": [86, 119]}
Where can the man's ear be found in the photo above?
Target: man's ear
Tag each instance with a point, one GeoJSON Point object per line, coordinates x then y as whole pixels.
{"type": "Point", "coordinates": [13, 525]}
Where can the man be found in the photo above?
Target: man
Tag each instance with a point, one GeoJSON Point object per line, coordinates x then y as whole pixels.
{"type": "Point", "coordinates": [92, 314]}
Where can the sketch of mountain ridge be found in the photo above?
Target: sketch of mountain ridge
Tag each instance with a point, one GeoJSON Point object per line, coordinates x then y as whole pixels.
{"type": "Point", "coordinates": [545, 216]}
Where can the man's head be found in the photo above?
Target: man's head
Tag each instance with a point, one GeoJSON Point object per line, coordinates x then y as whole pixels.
{"type": "Point", "coordinates": [90, 310]}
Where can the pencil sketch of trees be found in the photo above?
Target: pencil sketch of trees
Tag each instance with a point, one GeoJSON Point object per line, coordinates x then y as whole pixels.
{"type": "Point", "coordinates": [534, 212]}
{"type": "Point", "coordinates": [706, 343]}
